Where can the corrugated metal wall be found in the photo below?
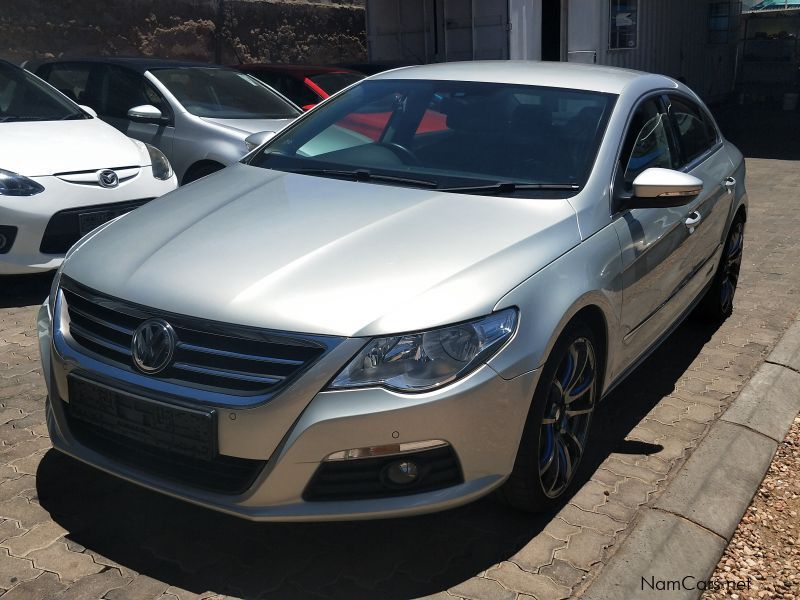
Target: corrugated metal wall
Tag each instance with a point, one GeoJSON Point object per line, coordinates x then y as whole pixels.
{"type": "Point", "coordinates": [673, 36]}
{"type": "Point", "coordinates": [673, 40]}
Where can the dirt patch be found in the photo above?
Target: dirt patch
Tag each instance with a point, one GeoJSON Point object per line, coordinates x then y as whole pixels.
{"type": "Point", "coordinates": [246, 30]}
{"type": "Point", "coordinates": [764, 553]}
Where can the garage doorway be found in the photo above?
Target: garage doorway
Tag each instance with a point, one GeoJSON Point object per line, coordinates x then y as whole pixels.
{"type": "Point", "coordinates": [552, 27]}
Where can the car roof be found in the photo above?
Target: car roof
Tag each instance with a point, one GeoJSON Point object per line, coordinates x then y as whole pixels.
{"type": "Point", "coordinates": [138, 63]}
{"type": "Point", "coordinates": [527, 72]}
{"type": "Point", "coordinates": [300, 70]}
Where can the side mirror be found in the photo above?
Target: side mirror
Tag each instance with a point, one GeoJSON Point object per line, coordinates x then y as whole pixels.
{"type": "Point", "coordinates": [146, 113]}
{"type": "Point", "coordinates": [257, 139]}
{"type": "Point", "coordinates": [663, 188]}
{"type": "Point", "coordinates": [88, 110]}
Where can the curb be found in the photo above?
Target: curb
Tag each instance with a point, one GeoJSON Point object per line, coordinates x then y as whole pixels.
{"type": "Point", "coordinates": [679, 539]}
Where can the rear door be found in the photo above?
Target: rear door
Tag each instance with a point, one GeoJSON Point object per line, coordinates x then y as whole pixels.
{"type": "Point", "coordinates": [704, 157]}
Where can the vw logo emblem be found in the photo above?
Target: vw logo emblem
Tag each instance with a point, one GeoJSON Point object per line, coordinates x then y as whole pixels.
{"type": "Point", "coordinates": [107, 178]}
{"type": "Point", "coordinates": [153, 346]}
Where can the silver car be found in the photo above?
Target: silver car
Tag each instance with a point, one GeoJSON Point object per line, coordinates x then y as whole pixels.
{"type": "Point", "coordinates": [413, 296]}
{"type": "Point", "coordinates": [198, 115]}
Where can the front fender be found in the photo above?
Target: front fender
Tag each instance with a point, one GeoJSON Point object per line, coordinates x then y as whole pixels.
{"type": "Point", "coordinates": [588, 275]}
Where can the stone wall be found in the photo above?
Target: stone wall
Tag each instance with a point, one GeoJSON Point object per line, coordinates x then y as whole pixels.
{"type": "Point", "coordinates": [319, 32]}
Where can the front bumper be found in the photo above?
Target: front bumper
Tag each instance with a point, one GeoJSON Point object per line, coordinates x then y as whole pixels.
{"type": "Point", "coordinates": [480, 416]}
{"type": "Point", "coordinates": [30, 215]}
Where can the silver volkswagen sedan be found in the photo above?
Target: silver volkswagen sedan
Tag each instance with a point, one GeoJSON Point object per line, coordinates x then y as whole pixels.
{"type": "Point", "coordinates": [413, 296]}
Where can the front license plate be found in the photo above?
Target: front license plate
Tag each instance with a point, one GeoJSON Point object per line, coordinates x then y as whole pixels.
{"type": "Point", "coordinates": [88, 221]}
{"type": "Point", "coordinates": [187, 431]}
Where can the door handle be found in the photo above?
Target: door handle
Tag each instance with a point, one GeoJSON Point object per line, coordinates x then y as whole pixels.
{"type": "Point", "coordinates": [730, 184]}
{"type": "Point", "coordinates": [693, 220]}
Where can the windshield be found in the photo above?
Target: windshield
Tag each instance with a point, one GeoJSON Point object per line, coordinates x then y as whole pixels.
{"type": "Point", "coordinates": [334, 82]}
{"type": "Point", "coordinates": [224, 94]}
{"type": "Point", "coordinates": [450, 134]}
{"type": "Point", "coordinates": [25, 97]}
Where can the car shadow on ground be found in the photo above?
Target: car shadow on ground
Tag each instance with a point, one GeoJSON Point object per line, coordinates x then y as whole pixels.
{"type": "Point", "coordinates": [24, 290]}
{"type": "Point", "coordinates": [200, 550]}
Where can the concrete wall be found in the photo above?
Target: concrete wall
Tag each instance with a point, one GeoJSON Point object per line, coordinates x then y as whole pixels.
{"type": "Point", "coordinates": [251, 30]}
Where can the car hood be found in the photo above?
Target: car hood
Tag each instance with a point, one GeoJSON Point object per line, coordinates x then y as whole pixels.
{"type": "Point", "coordinates": [248, 126]}
{"type": "Point", "coordinates": [298, 253]}
{"type": "Point", "coordinates": [40, 148]}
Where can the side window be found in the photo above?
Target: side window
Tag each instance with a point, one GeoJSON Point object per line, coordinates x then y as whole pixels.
{"type": "Point", "coordinates": [696, 132]}
{"type": "Point", "coordinates": [273, 80]}
{"type": "Point", "coordinates": [123, 89]}
{"type": "Point", "coordinates": [70, 79]}
{"type": "Point", "coordinates": [299, 93]}
{"type": "Point", "coordinates": [647, 143]}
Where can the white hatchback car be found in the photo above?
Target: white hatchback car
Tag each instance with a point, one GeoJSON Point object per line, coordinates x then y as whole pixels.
{"type": "Point", "coordinates": [63, 172]}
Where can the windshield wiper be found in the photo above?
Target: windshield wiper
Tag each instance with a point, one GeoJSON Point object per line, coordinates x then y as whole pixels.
{"type": "Point", "coordinates": [507, 187]}
{"type": "Point", "coordinates": [365, 175]}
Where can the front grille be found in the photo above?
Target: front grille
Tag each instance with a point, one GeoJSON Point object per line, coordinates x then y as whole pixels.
{"type": "Point", "coordinates": [208, 355]}
{"type": "Point", "coordinates": [221, 474]}
{"type": "Point", "coordinates": [364, 478]}
{"type": "Point", "coordinates": [66, 227]}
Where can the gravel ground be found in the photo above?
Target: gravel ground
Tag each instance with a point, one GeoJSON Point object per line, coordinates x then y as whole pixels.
{"type": "Point", "coordinates": [765, 550]}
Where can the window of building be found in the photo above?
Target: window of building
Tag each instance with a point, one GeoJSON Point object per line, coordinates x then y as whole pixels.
{"type": "Point", "coordinates": [719, 22]}
{"type": "Point", "coordinates": [623, 24]}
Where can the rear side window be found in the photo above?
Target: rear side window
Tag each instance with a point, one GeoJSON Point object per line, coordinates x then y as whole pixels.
{"type": "Point", "coordinates": [696, 133]}
{"type": "Point", "coordinates": [647, 143]}
{"type": "Point", "coordinates": [70, 79]}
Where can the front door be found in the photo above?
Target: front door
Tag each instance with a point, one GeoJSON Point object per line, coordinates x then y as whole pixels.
{"type": "Point", "coordinates": [656, 253]}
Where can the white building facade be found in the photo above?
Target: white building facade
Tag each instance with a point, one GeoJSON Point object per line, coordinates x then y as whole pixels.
{"type": "Point", "coordinates": [694, 40]}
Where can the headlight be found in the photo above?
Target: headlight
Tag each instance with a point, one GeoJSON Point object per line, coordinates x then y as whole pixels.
{"type": "Point", "coordinates": [51, 301]}
{"type": "Point", "coordinates": [417, 362]}
{"type": "Point", "coordinates": [12, 184]}
{"type": "Point", "coordinates": [161, 168]}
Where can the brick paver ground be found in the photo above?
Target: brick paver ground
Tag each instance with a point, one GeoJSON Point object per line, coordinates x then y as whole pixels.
{"type": "Point", "coordinates": [69, 531]}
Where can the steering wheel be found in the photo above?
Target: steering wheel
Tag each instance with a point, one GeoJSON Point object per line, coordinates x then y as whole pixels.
{"type": "Point", "coordinates": [403, 153]}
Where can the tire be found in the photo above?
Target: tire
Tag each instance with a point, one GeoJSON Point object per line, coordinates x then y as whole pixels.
{"type": "Point", "coordinates": [542, 476]}
{"type": "Point", "coordinates": [717, 304]}
{"type": "Point", "coordinates": [199, 171]}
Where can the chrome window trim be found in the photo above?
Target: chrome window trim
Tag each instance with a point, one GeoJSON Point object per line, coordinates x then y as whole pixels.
{"type": "Point", "coordinates": [662, 93]}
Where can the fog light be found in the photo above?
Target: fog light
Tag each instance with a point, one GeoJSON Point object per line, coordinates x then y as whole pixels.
{"type": "Point", "coordinates": [7, 236]}
{"type": "Point", "coordinates": [402, 472]}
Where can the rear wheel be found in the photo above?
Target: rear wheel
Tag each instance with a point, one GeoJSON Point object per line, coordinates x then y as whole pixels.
{"type": "Point", "coordinates": [717, 305]}
{"type": "Point", "coordinates": [557, 429]}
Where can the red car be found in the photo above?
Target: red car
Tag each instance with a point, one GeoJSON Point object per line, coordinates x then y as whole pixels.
{"type": "Point", "coordinates": [305, 86]}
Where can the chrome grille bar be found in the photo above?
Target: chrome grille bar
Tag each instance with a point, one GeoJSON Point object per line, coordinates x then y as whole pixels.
{"type": "Point", "coordinates": [219, 357]}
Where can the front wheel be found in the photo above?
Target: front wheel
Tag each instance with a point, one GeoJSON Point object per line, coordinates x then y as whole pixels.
{"type": "Point", "coordinates": [557, 429]}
